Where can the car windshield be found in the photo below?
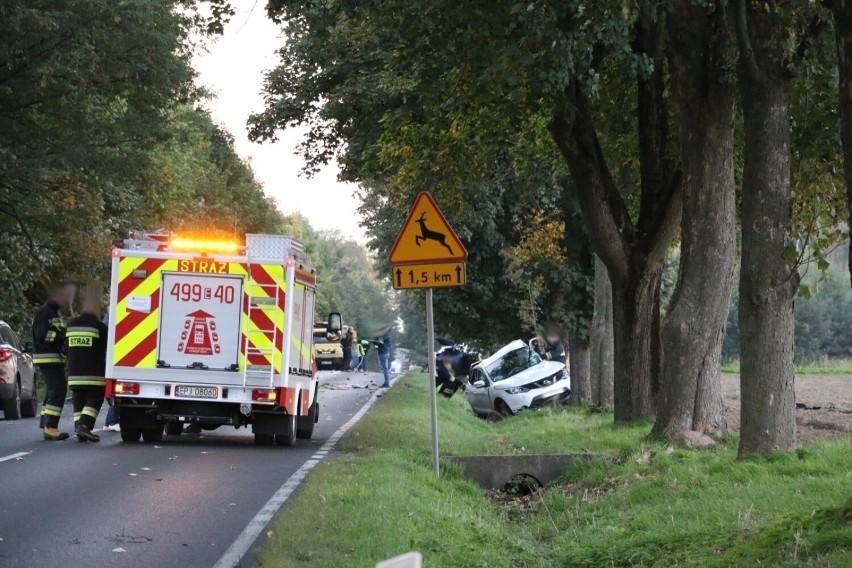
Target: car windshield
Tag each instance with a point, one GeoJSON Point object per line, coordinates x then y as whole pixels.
{"type": "Point", "coordinates": [512, 363]}
{"type": "Point", "coordinates": [320, 337]}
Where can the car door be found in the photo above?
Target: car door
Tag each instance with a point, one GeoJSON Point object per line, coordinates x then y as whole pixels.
{"type": "Point", "coordinates": [477, 396]}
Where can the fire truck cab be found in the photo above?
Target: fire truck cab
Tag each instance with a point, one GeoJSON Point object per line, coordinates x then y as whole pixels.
{"type": "Point", "coordinates": [213, 333]}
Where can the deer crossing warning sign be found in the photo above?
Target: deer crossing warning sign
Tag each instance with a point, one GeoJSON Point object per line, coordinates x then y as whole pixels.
{"type": "Point", "coordinates": [426, 237]}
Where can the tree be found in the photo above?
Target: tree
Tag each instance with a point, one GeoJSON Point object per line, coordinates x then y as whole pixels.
{"type": "Point", "coordinates": [511, 67]}
{"type": "Point", "coordinates": [768, 275]}
{"type": "Point", "coordinates": [699, 62]}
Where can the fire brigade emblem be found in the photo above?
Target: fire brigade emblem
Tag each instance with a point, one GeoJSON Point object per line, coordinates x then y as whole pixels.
{"type": "Point", "coordinates": [199, 336]}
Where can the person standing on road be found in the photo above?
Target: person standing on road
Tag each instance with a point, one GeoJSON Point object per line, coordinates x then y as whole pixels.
{"type": "Point", "coordinates": [361, 350]}
{"type": "Point", "coordinates": [346, 345]}
{"type": "Point", "coordinates": [49, 340]}
{"type": "Point", "coordinates": [384, 346]}
{"type": "Point", "coordinates": [87, 346]}
{"type": "Point", "coordinates": [113, 416]}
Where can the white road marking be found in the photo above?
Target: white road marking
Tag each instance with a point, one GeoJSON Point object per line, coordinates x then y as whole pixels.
{"type": "Point", "coordinates": [14, 456]}
{"type": "Point", "coordinates": [233, 556]}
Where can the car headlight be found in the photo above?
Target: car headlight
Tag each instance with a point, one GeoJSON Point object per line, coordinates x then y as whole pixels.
{"type": "Point", "coordinates": [517, 390]}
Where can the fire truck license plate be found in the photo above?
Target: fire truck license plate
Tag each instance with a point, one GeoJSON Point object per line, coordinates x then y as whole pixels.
{"type": "Point", "coordinates": [197, 392]}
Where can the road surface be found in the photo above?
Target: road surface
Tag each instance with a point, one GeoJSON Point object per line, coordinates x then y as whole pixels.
{"type": "Point", "coordinates": [180, 503]}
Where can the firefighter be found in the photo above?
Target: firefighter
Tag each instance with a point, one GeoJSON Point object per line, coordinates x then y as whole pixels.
{"type": "Point", "coordinates": [49, 340]}
{"type": "Point", "coordinates": [87, 345]}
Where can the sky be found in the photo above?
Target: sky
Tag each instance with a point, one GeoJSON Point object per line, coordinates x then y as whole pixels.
{"type": "Point", "coordinates": [232, 68]}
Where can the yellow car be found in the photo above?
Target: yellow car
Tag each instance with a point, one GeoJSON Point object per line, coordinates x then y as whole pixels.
{"type": "Point", "coordinates": [328, 352]}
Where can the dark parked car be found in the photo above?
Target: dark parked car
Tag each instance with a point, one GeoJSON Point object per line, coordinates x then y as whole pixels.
{"type": "Point", "coordinates": [17, 377]}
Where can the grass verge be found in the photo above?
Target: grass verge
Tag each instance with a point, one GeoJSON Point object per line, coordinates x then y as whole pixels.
{"type": "Point", "coordinates": [652, 506]}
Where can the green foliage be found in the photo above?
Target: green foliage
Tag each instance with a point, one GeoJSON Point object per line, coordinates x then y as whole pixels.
{"type": "Point", "coordinates": [83, 86]}
{"type": "Point", "coordinates": [406, 104]}
{"type": "Point", "coordinates": [644, 504]}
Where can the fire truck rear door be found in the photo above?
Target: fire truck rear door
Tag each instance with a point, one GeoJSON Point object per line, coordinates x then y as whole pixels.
{"type": "Point", "coordinates": [200, 321]}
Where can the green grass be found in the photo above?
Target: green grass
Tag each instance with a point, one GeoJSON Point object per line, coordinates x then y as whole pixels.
{"type": "Point", "coordinates": [840, 367]}
{"type": "Point", "coordinates": [650, 505]}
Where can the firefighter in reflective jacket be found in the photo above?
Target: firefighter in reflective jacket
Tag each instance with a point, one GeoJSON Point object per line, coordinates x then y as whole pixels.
{"type": "Point", "coordinates": [49, 355]}
{"type": "Point", "coordinates": [87, 346]}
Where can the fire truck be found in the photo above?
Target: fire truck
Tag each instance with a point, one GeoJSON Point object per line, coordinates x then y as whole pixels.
{"type": "Point", "coordinates": [213, 333]}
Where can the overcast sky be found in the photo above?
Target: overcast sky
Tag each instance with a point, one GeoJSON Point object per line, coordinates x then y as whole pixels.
{"type": "Point", "coordinates": [233, 68]}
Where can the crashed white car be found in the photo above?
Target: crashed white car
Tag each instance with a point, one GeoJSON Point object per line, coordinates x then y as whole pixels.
{"type": "Point", "coordinates": [516, 378]}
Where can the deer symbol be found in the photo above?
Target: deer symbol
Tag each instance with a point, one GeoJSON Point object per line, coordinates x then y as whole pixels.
{"type": "Point", "coordinates": [427, 234]}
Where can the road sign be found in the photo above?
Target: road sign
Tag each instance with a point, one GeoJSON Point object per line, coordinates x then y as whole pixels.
{"type": "Point", "coordinates": [441, 275]}
{"type": "Point", "coordinates": [426, 237]}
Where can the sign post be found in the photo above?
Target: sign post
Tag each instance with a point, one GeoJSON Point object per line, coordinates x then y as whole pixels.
{"type": "Point", "coordinates": [433, 392]}
{"type": "Point", "coordinates": [428, 254]}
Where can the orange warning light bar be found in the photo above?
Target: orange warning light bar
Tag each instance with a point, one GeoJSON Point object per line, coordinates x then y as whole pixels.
{"type": "Point", "coordinates": [203, 245]}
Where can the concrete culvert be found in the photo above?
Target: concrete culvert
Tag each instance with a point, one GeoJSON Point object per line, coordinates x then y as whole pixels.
{"type": "Point", "coordinates": [522, 484]}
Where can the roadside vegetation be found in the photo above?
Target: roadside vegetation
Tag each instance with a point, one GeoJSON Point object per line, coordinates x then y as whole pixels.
{"type": "Point", "coordinates": [646, 504]}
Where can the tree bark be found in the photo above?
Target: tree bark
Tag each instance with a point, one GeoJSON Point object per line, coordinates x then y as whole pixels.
{"type": "Point", "coordinates": [579, 362]}
{"type": "Point", "coordinates": [695, 321]}
{"type": "Point", "coordinates": [843, 39]}
{"type": "Point", "coordinates": [601, 339]}
{"type": "Point", "coordinates": [768, 278]}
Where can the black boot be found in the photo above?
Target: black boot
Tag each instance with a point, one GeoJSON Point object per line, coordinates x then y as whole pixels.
{"type": "Point", "coordinates": [86, 435]}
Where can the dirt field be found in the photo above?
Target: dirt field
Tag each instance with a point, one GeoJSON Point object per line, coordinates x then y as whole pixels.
{"type": "Point", "coordinates": [828, 399]}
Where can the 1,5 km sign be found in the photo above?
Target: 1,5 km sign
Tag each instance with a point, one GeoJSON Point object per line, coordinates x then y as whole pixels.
{"type": "Point", "coordinates": [438, 275]}
{"type": "Point", "coordinates": [428, 254]}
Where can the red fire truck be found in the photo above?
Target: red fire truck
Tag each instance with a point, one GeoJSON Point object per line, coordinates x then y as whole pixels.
{"type": "Point", "coordinates": [213, 333]}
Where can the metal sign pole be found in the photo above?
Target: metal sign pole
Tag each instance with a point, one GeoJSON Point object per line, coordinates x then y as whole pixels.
{"type": "Point", "coordinates": [433, 395]}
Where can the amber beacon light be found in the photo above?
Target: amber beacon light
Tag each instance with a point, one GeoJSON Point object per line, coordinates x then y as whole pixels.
{"type": "Point", "coordinates": [203, 245]}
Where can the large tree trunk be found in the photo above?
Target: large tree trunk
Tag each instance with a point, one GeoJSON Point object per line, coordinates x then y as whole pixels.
{"type": "Point", "coordinates": [768, 278]}
{"type": "Point", "coordinates": [579, 362]}
{"type": "Point", "coordinates": [601, 339]}
{"type": "Point", "coordinates": [843, 35]}
{"type": "Point", "coordinates": [692, 332]}
{"type": "Point", "coordinates": [637, 343]}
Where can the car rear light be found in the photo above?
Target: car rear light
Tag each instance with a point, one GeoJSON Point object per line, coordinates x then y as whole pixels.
{"type": "Point", "coordinates": [126, 388]}
{"type": "Point", "coordinates": [263, 395]}
{"type": "Point", "coordinates": [5, 354]}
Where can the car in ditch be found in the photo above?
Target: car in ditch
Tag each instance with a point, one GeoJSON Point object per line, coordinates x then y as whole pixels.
{"type": "Point", "coordinates": [516, 378]}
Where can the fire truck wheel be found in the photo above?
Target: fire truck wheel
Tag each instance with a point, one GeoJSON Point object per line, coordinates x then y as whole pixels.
{"type": "Point", "coordinates": [130, 434]}
{"type": "Point", "coordinates": [305, 431]}
{"type": "Point", "coordinates": [264, 439]}
{"type": "Point", "coordinates": [153, 435]}
{"type": "Point", "coordinates": [289, 438]}
{"type": "Point", "coordinates": [174, 428]}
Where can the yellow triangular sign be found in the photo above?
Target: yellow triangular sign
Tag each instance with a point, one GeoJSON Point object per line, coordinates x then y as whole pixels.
{"type": "Point", "coordinates": [426, 236]}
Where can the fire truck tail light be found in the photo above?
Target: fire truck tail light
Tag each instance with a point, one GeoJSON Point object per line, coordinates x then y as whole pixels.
{"type": "Point", "coordinates": [200, 245]}
{"type": "Point", "coordinates": [126, 388]}
{"type": "Point", "coordinates": [263, 395]}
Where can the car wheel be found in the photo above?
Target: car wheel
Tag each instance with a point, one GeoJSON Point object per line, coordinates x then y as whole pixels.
{"type": "Point", "coordinates": [174, 428]}
{"type": "Point", "coordinates": [29, 408]}
{"type": "Point", "coordinates": [305, 431]}
{"type": "Point", "coordinates": [153, 435]}
{"type": "Point", "coordinates": [130, 434]}
{"type": "Point", "coordinates": [289, 438]}
{"type": "Point", "coordinates": [501, 408]}
{"type": "Point", "coordinates": [12, 407]}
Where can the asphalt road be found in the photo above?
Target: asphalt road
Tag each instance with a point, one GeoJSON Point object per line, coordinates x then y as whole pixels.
{"type": "Point", "coordinates": [179, 503]}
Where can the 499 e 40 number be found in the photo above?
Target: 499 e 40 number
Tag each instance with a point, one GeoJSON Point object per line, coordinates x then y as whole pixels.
{"type": "Point", "coordinates": [186, 292]}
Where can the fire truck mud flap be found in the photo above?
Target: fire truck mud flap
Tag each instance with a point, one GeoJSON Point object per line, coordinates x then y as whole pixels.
{"type": "Point", "coordinates": [272, 422]}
